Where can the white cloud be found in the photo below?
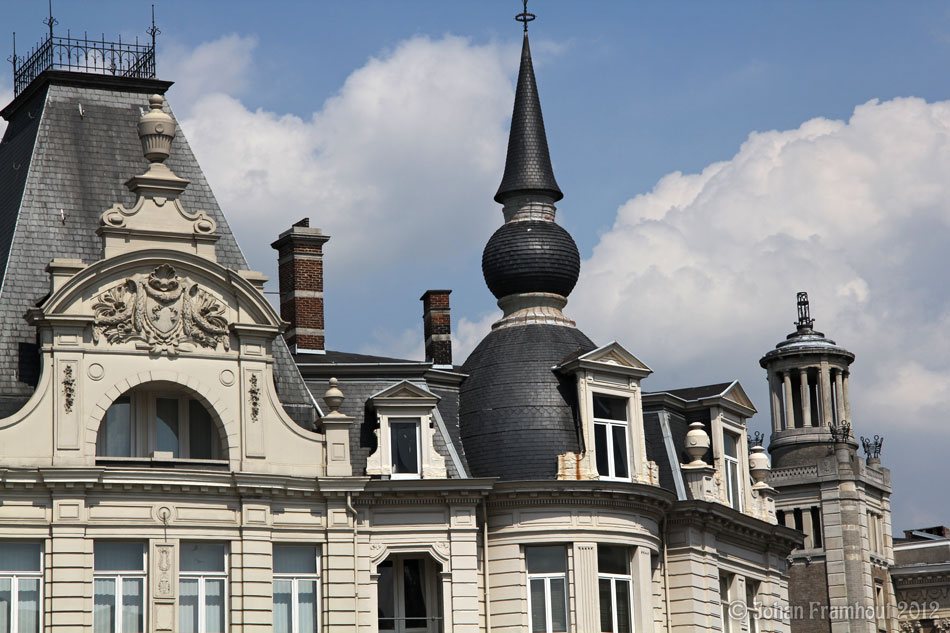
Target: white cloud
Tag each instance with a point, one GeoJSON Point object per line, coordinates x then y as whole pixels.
{"type": "Point", "coordinates": [413, 139]}
{"type": "Point", "coordinates": [467, 333]}
{"type": "Point", "coordinates": [698, 276]}
{"type": "Point", "coordinates": [220, 66]}
{"type": "Point", "coordinates": [6, 96]}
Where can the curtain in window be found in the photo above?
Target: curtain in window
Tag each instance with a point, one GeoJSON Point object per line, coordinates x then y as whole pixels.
{"type": "Point", "coordinates": [188, 605]}
{"type": "Point", "coordinates": [103, 605]}
{"type": "Point", "coordinates": [16, 556]}
{"type": "Point", "coordinates": [538, 608]}
{"type": "Point", "coordinates": [6, 595]}
{"type": "Point", "coordinates": [414, 592]}
{"type": "Point", "coordinates": [405, 459]}
{"type": "Point", "coordinates": [133, 611]}
{"type": "Point", "coordinates": [307, 606]}
{"type": "Point", "coordinates": [28, 609]}
{"type": "Point", "coordinates": [558, 606]}
{"type": "Point", "coordinates": [214, 605]}
{"type": "Point", "coordinates": [283, 609]}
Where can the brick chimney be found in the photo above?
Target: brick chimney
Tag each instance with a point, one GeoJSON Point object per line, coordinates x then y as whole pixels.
{"type": "Point", "coordinates": [437, 326]}
{"type": "Point", "coordinates": [300, 274]}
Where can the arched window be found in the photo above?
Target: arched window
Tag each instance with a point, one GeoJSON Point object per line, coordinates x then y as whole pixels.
{"type": "Point", "coordinates": [160, 422]}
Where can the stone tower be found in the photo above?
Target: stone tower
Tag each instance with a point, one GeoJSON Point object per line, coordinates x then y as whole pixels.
{"type": "Point", "coordinates": [838, 580]}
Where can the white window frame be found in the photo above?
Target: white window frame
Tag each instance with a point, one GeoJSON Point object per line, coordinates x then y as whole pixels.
{"type": "Point", "coordinates": [202, 577]}
{"type": "Point", "coordinates": [613, 578]}
{"type": "Point", "coordinates": [390, 420]}
{"type": "Point", "coordinates": [724, 611]}
{"type": "Point", "coordinates": [144, 427]}
{"type": "Point", "coordinates": [609, 424]}
{"type": "Point", "coordinates": [295, 577]}
{"type": "Point", "coordinates": [733, 476]}
{"type": "Point", "coordinates": [752, 591]}
{"type": "Point", "coordinates": [547, 577]}
{"type": "Point", "coordinates": [15, 577]}
{"type": "Point", "coordinates": [119, 577]}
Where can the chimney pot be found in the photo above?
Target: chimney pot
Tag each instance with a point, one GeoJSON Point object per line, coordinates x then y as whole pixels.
{"type": "Point", "coordinates": [437, 326]}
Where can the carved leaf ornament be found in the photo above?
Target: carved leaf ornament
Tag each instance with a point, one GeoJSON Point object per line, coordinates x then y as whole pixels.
{"type": "Point", "coordinates": [167, 313]}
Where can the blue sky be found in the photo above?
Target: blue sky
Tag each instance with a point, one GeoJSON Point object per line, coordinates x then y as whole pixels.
{"type": "Point", "coordinates": [385, 122]}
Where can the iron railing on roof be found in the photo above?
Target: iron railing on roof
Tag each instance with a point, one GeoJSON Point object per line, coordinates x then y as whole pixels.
{"type": "Point", "coordinates": [84, 55]}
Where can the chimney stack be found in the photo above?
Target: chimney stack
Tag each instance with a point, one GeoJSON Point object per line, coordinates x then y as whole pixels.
{"type": "Point", "coordinates": [300, 274]}
{"type": "Point", "coordinates": [437, 326]}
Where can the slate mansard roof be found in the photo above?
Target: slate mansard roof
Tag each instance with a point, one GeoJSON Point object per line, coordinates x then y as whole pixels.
{"type": "Point", "coordinates": [55, 157]}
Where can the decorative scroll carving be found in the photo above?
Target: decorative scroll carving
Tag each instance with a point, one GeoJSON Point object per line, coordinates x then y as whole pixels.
{"type": "Point", "coordinates": [162, 310]}
{"type": "Point", "coordinates": [255, 395]}
{"type": "Point", "coordinates": [69, 389]}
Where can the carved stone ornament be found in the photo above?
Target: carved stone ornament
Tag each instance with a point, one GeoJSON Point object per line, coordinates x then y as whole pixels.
{"type": "Point", "coordinates": [165, 312]}
{"type": "Point", "coordinates": [255, 395]}
{"type": "Point", "coordinates": [69, 389]}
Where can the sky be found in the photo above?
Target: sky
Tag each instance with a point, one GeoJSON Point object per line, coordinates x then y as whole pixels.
{"type": "Point", "coordinates": [715, 158]}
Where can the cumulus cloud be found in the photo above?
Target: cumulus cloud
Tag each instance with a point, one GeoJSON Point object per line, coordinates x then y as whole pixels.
{"type": "Point", "coordinates": [698, 276]}
{"type": "Point", "coordinates": [413, 139]}
{"type": "Point", "coordinates": [221, 66]}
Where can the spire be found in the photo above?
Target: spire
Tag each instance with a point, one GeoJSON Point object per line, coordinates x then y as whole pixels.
{"type": "Point", "coordinates": [528, 165]}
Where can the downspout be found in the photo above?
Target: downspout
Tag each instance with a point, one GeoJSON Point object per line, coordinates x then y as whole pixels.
{"type": "Point", "coordinates": [356, 556]}
{"type": "Point", "coordinates": [666, 576]}
{"type": "Point", "coordinates": [485, 564]}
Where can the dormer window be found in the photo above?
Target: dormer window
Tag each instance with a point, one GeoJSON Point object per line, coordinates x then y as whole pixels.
{"type": "Point", "coordinates": [730, 458]}
{"type": "Point", "coordinates": [158, 424]}
{"type": "Point", "coordinates": [406, 414]}
{"type": "Point", "coordinates": [611, 432]}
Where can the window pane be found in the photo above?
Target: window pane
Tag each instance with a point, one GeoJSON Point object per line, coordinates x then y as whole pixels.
{"type": "Point", "coordinates": [201, 556]}
{"type": "Point", "coordinates": [606, 606]}
{"type": "Point", "coordinates": [103, 605]}
{"type": "Point", "coordinates": [19, 556]}
{"type": "Point", "coordinates": [295, 559]}
{"type": "Point", "coordinates": [166, 425]}
{"type": "Point", "coordinates": [730, 444]}
{"type": "Point", "coordinates": [384, 595]}
{"type": "Point", "coordinates": [133, 610]}
{"type": "Point", "coordinates": [547, 559]}
{"type": "Point", "coordinates": [620, 450]}
{"type": "Point", "coordinates": [610, 408]}
{"type": "Point", "coordinates": [116, 429]}
{"type": "Point", "coordinates": [600, 448]}
{"type": "Point", "coordinates": [6, 595]}
{"type": "Point", "coordinates": [733, 475]}
{"type": "Point", "coordinates": [558, 606]}
{"type": "Point", "coordinates": [201, 432]}
{"type": "Point", "coordinates": [119, 556]}
{"type": "Point", "coordinates": [613, 559]}
{"type": "Point", "coordinates": [414, 592]}
{"type": "Point", "coordinates": [188, 605]}
{"type": "Point", "coordinates": [404, 449]}
{"type": "Point", "coordinates": [28, 607]}
{"type": "Point", "coordinates": [538, 608]}
{"type": "Point", "coordinates": [283, 611]}
{"type": "Point", "coordinates": [306, 606]}
{"type": "Point", "coordinates": [622, 588]}
{"type": "Point", "coordinates": [214, 605]}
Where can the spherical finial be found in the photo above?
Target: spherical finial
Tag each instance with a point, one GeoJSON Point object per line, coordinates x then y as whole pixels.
{"type": "Point", "coordinates": [156, 131]}
{"type": "Point", "coordinates": [333, 397]}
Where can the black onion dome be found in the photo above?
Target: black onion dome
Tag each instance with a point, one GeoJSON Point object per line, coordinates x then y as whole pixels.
{"type": "Point", "coordinates": [531, 256]}
{"type": "Point", "coordinates": [528, 165]}
{"type": "Point", "coordinates": [516, 415]}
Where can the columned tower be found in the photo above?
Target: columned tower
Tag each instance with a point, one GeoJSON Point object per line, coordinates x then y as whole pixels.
{"type": "Point", "coordinates": [838, 581]}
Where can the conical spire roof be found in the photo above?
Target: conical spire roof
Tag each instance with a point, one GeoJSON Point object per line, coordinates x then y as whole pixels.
{"type": "Point", "coordinates": [528, 165]}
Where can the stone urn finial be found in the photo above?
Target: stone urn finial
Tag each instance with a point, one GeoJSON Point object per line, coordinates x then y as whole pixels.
{"type": "Point", "coordinates": [697, 443]}
{"type": "Point", "coordinates": [333, 397]}
{"type": "Point", "coordinates": [759, 467]}
{"type": "Point", "coordinates": [156, 131]}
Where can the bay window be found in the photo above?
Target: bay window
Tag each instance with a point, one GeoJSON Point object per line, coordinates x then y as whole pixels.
{"type": "Point", "coordinates": [610, 437]}
{"type": "Point", "coordinates": [21, 576]}
{"type": "Point", "coordinates": [202, 580]}
{"type": "Point", "coordinates": [547, 588]}
{"type": "Point", "coordinates": [615, 587]}
{"type": "Point", "coordinates": [295, 589]}
{"type": "Point", "coordinates": [119, 587]}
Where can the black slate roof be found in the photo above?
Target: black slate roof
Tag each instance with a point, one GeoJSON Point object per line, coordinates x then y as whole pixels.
{"type": "Point", "coordinates": [528, 164]}
{"type": "Point", "coordinates": [346, 358]}
{"type": "Point", "coordinates": [697, 393]}
{"type": "Point", "coordinates": [79, 164]}
{"type": "Point", "coordinates": [516, 414]}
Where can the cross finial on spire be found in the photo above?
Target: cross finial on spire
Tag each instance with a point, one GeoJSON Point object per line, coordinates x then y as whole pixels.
{"type": "Point", "coordinates": [524, 16]}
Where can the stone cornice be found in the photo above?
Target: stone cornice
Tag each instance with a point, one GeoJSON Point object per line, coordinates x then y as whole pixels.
{"type": "Point", "coordinates": [734, 525]}
{"type": "Point", "coordinates": [640, 497]}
